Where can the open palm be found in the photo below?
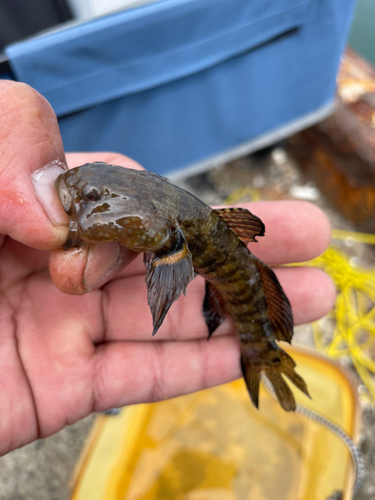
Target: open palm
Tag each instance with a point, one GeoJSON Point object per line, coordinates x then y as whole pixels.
{"type": "Point", "coordinates": [63, 356]}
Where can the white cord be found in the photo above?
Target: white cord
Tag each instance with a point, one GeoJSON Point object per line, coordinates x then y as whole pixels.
{"type": "Point", "coordinates": [356, 454]}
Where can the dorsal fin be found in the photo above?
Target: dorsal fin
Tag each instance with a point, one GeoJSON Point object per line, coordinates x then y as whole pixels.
{"type": "Point", "coordinates": [242, 222]}
{"type": "Point", "coordinates": [279, 310]}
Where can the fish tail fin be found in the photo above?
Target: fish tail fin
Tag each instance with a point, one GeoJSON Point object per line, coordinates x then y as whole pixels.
{"type": "Point", "coordinates": [274, 374]}
{"type": "Point", "coordinates": [251, 374]}
{"type": "Point", "coordinates": [282, 391]}
{"type": "Point", "coordinates": [287, 367]}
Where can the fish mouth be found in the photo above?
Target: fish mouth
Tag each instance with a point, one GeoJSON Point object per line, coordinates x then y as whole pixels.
{"type": "Point", "coordinates": [73, 239]}
{"type": "Point", "coordinates": [64, 195]}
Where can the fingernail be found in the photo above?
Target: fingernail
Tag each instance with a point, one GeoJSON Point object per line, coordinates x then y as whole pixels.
{"type": "Point", "coordinates": [102, 262]}
{"type": "Point", "coordinates": [44, 185]}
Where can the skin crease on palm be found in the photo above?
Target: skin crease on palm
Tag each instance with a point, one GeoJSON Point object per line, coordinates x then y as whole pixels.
{"type": "Point", "coordinates": [64, 355]}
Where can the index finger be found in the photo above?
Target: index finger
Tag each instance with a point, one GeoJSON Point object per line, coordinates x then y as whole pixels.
{"type": "Point", "coordinates": [296, 231]}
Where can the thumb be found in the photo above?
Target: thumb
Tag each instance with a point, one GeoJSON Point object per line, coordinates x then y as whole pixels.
{"type": "Point", "coordinates": [31, 157]}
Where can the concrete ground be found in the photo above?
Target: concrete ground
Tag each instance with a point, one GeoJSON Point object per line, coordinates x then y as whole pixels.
{"type": "Point", "coordinates": [42, 470]}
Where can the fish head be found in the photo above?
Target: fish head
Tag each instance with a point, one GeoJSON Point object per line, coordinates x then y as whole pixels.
{"type": "Point", "coordinates": [109, 203]}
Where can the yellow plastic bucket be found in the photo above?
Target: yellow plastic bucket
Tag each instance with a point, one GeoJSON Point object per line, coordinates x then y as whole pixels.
{"type": "Point", "coordinates": [214, 445]}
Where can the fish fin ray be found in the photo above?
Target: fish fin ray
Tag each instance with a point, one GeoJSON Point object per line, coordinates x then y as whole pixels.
{"type": "Point", "coordinates": [279, 309]}
{"type": "Point", "coordinates": [148, 257]}
{"type": "Point", "coordinates": [242, 222]}
{"type": "Point", "coordinates": [275, 373]}
{"type": "Point", "coordinates": [282, 391]}
{"type": "Point", "coordinates": [167, 278]}
{"type": "Point", "coordinates": [275, 376]}
{"type": "Point", "coordinates": [251, 375]}
{"type": "Point", "coordinates": [213, 308]}
{"type": "Point", "coordinates": [287, 367]}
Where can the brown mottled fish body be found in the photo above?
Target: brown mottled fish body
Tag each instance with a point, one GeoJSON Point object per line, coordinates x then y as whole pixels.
{"type": "Point", "coordinates": [181, 236]}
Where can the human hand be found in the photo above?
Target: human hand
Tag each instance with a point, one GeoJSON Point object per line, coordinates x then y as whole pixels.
{"type": "Point", "coordinates": [63, 356]}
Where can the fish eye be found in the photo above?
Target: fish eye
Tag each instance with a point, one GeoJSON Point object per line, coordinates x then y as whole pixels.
{"type": "Point", "coordinates": [89, 193]}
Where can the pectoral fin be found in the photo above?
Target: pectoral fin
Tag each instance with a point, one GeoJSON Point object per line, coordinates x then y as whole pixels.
{"type": "Point", "coordinates": [213, 308]}
{"type": "Point", "coordinates": [167, 277]}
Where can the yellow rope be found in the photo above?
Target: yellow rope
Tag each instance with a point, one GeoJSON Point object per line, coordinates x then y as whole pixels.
{"type": "Point", "coordinates": [243, 194]}
{"type": "Point", "coordinates": [348, 235]}
{"type": "Point", "coordinates": [353, 325]}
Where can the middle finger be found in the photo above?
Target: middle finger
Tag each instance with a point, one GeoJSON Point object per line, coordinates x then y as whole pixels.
{"type": "Point", "coordinates": [128, 317]}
